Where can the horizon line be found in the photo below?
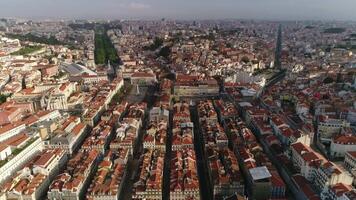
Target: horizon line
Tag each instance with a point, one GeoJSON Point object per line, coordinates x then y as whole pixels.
{"type": "Point", "coordinates": [173, 19]}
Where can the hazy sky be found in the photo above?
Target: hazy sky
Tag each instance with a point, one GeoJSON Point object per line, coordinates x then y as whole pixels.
{"type": "Point", "coordinates": [180, 9]}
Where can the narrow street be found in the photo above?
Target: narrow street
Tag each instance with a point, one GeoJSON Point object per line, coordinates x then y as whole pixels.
{"type": "Point", "coordinates": [132, 166]}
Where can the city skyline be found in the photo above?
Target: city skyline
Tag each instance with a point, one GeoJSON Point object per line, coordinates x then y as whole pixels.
{"type": "Point", "coordinates": [194, 10]}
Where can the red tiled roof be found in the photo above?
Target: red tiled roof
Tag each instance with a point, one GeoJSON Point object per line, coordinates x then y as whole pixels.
{"type": "Point", "coordinates": [352, 154]}
{"type": "Point", "coordinates": [304, 186]}
{"type": "Point", "coordinates": [339, 189]}
{"type": "Point", "coordinates": [17, 139]}
{"type": "Point", "coordinates": [76, 130]}
{"type": "Point", "coordinates": [8, 127]}
{"type": "Point", "coordinates": [345, 139]}
{"type": "Point", "coordinates": [142, 74]}
{"type": "Point", "coordinates": [277, 180]}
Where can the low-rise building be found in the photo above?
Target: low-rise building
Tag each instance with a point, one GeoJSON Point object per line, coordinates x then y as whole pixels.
{"type": "Point", "coordinates": [316, 169]}
{"type": "Point", "coordinates": [329, 174]}
{"type": "Point", "coordinates": [182, 135]}
{"type": "Point", "coordinates": [11, 130]}
{"type": "Point", "coordinates": [278, 124]}
{"type": "Point", "coordinates": [143, 78]}
{"type": "Point", "coordinates": [186, 85]}
{"type": "Point", "coordinates": [224, 173]}
{"type": "Point", "coordinates": [5, 151]}
{"type": "Point", "coordinates": [71, 183]}
{"type": "Point", "coordinates": [69, 135]}
{"type": "Point", "coordinates": [305, 160]}
{"type": "Point", "coordinates": [150, 181]}
{"type": "Point", "coordinates": [225, 109]}
{"type": "Point", "coordinates": [336, 192]}
{"type": "Point", "coordinates": [341, 144]}
{"type": "Point", "coordinates": [33, 180]}
{"type": "Point", "coordinates": [126, 134]}
{"type": "Point", "coordinates": [182, 128]}
{"type": "Point", "coordinates": [158, 113]}
{"type": "Point", "coordinates": [207, 112]}
{"type": "Point", "coordinates": [328, 127]}
{"type": "Point", "coordinates": [156, 135]}
{"type": "Point", "coordinates": [109, 178]}
{"type": "Point", "coordinates": [24, 153]}
{"type": "Point", "coordinates": [261, 182]}
{"type": "Point", "coordinates": [181, 112]}
{"type": "Point", "coordinates": [304, 187]}
{"type": "Point", "coordinates": [214, 135]}
{"type": "Point", "coordinates": [350, 163]}
{"type": "Point", "coordinates": [99, 137]}
{"type": "Point", "coordinates": [184, 175]}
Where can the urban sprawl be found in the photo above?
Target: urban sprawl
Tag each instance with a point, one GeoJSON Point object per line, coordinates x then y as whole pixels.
{"type": "Point", "coordinates": [179, 110]}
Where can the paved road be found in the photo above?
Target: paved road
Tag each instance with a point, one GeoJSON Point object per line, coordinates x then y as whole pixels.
{"type": "Point", "coordinates": [133, 97]}
{"type": "Point", "coordinates": [278, 52]}
{"type": "Point", "coordinates": [126, 193]}
{"type": "Point", "coordinates": [146, 94]}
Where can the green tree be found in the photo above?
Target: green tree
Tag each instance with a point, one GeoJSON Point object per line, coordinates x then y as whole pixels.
{"type": "Point", "coordinates": [155, 45]}
{"type": "Point", "coordinates": [27, 50]}
{"type": "Point", "coordinates": [328, 80]}
{"type": "Point", "coordinates": [245, 59]}
{"type": "Point", "coordinates": [38, 39]}
{"type": "Point", "coordinates": [104, 49]}
{"type": "Point", "coordinates": [165, 52]}
{"type": "Point", "coordinates": [3, 97]}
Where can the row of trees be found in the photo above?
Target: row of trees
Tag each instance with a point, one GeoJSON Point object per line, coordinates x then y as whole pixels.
{"type": "Point", "coordinates": [27, 50]}
{"type": "Point", "coordinates": [104, 49]}
{"type": "Point", "coordinates": [155, 45]}
{"type": "Point", "coordinates": [38, 39]}
{"type": "Point", "coordinates": [165, 51]}
{"type": "Point", "coordinates": [334, 30]}
{"type": "Point", "coordinates": [3, 97]}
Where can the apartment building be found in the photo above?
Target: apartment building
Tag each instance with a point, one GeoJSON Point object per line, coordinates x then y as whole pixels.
{"type": "Point", "coordinates": [75, 178]}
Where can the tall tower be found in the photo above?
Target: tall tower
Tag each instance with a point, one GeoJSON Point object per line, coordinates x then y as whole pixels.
{"type": "Point", "coordinates": [137, 90]}
{"type": "Point", "coordinates": [110, 71]}
{"type": "Point", "coordinates": [110, 68]}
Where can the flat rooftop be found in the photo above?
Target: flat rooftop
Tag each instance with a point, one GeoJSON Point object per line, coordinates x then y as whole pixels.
{"type": "Point", "coordinates": [260, 173]}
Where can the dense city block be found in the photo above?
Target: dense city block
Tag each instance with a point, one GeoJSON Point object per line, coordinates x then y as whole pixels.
{"type": "Point", "coordinates": [179, 110]}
